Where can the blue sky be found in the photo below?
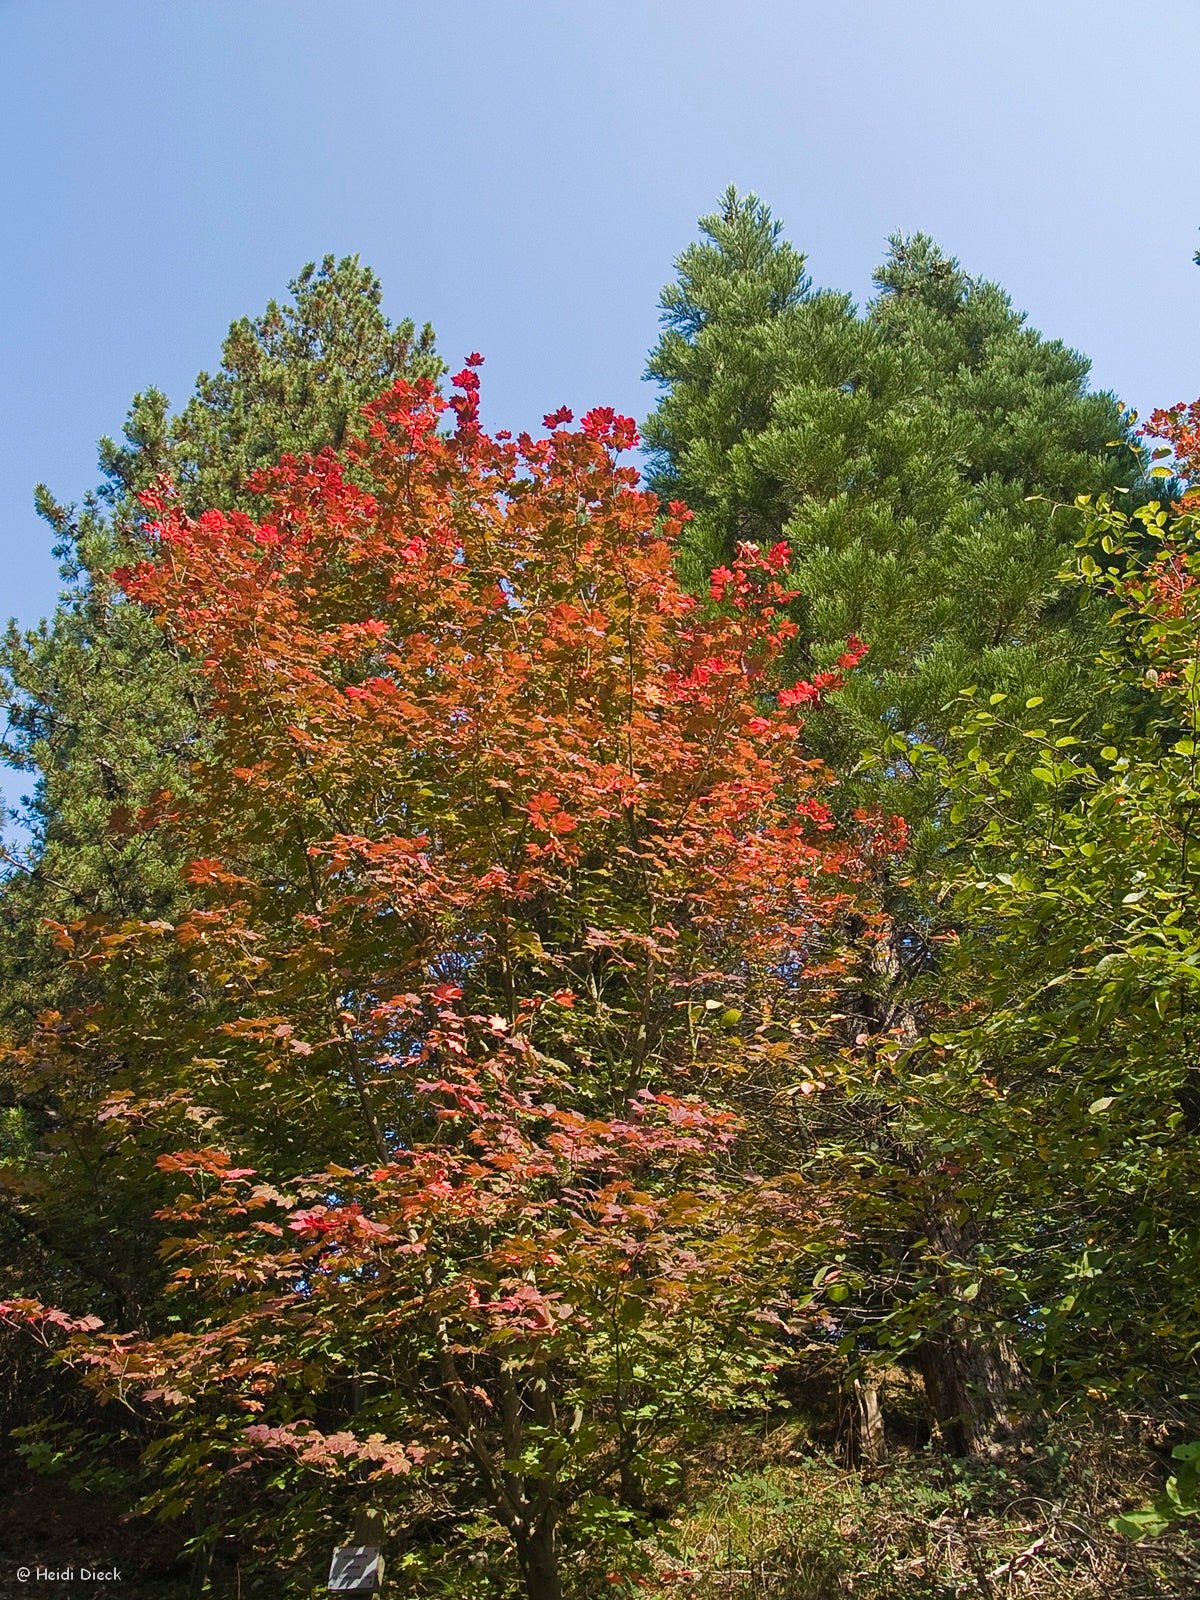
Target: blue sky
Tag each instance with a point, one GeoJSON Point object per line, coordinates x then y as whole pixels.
{"type": "Point", "coordinates": [523, 174]}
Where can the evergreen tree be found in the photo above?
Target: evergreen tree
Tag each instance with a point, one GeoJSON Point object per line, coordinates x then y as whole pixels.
{"type": "Point", "coordinates": [100, 710]}
{"type": "Point", "coordinates": [919, 460]}
{"type": "Point", "coordinates": [916, 459]}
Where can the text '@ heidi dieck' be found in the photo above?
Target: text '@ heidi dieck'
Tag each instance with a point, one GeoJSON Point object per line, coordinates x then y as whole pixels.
{"type": "Point", "coordinates": [70, 1574]}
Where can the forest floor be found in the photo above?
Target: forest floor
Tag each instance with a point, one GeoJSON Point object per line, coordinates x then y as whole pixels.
{"type": "Point", "coordinates": [775, 1513]}
{"type": "Point", "coordinates": [778, 1516]}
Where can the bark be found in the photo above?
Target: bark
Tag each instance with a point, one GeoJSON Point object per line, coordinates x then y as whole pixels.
{"type": "Point", "coordinates": [870, 1440]}
{"type": "Point", "coordinates": [971, 1379]}
{"type": "Point", "coordinates": [537, 1554]}
{"type": "Point", "coordinates": [973, 1382]}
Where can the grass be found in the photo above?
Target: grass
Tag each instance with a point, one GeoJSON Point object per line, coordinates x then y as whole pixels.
{"type": "Point", "coordinates": [779, 1518]}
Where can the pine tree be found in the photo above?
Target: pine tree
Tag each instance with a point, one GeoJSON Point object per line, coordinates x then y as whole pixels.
{"type": "Point", "coordinates": [920, 461]}
{"type": "Point", "coordinates": [917, 459]}
{"type": "Point", "coordinates": [101, 712]}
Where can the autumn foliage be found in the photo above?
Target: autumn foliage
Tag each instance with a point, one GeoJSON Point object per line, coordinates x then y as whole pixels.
{"type": "Point", "coordinates": [473, 1081]}
{"type": "Point", "coordinates": [1179, 427]}
{"type": "Point", "coordinates": [508, 861]}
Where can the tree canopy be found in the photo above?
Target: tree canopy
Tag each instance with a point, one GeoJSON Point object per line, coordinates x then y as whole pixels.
{"type": "Point", "coordinates": [617, 1036]}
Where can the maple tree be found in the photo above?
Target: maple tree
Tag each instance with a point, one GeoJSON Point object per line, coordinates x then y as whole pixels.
{"type": "Point", "coordinates": [1179, 427]}
{"type": "Point", "coordinates": [508, 861]}
{"type": "Point", "coordinates": [100, 710]}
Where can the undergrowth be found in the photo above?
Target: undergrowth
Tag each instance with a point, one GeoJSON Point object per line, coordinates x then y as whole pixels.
{"type": "Point", "coordinates": [779, 1518]}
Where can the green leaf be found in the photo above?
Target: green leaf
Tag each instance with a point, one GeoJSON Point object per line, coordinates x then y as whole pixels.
{"type": "Point", "coordinates": [1140, 1524]}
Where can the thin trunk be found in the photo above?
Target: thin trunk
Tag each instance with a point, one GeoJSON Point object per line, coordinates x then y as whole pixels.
{"type": "Point", "coordinates": [537, 1554]}
{"type": "Point", "coordinates": [203, 1558]}
{"type": "Point", "coordinates": [633, 1490]}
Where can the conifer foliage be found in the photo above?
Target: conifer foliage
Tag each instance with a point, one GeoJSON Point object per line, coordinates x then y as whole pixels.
{"type": "Point", "coordinates": [97, 711]}
{"type": "Point", "coordinates": [911, 457]}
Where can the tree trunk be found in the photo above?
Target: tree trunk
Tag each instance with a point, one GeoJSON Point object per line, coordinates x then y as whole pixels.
{"type": "Point", "coordinates": [205, 1545]}
{"type": "Point", "coordinates": [870, 1440]}
{"type": "Point", "coordinates": [971, 1380]}
{"type": "Point", "coordinates": [971, 1384]}
{"type": "Point", "coordinates": [538, 1557]}
{"type": "Point", "coordinates": [970, 1377]}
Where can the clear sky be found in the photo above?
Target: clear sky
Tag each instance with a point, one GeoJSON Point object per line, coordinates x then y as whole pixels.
{"type": "Point", "coordinates": [522, 175]}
